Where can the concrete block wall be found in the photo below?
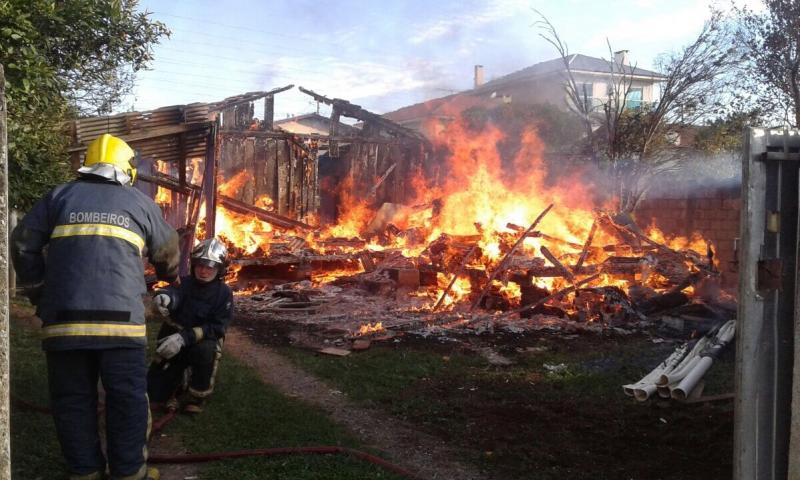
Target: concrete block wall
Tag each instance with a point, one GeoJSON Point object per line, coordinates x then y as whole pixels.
{"type": "Point", "coordinates": [711, 212]}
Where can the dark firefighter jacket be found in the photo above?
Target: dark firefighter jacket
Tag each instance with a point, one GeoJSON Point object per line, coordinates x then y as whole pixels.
{"type": "Point", "coordinates": [92, 273]}
{"type": "Point", "coordinates": [202, 310]}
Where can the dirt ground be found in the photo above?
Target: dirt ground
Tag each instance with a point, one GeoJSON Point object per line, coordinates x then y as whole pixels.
{"type": "Point", "coordinates": [424, 454]}
{"type": "Point", "coordinates": [532, 424]}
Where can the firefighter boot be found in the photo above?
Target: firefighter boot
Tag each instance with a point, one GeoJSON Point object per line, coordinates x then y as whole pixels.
{"type": "Point", "coordinates": [194, 405]}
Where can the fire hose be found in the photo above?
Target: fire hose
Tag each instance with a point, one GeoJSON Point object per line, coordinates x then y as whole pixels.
{"type": "Point", "coordinates": [162, 422]}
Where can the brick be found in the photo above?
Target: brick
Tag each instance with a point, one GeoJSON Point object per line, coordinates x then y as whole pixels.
{"type": "Point", "coordinates": [407, 277]}
{"type": "Point", "coordinates": [732, 203]}
{"type": "Point", "coordinates": [732, 225]}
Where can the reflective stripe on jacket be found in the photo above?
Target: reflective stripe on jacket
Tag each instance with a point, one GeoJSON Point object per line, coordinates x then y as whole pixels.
{"type": "Point", "coordinates": [96, 233]}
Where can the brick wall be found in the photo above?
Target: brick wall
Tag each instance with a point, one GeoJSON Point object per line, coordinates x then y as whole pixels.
{"type": "Point", "coordinates": [711, 212]}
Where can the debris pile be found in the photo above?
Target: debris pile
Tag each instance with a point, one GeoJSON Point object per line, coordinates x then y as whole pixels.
{"type": "Point", "coordinates": [535, 280]}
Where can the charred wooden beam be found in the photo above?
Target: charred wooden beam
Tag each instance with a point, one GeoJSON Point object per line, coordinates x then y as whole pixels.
{"type": "Point", "coordinates": [380, 181]}
{"type": "Point", "coordinates": [455, 276]}
{"type": "Point", "coordinates": [586, 246]}
{"type": "Point", "coordinates": [209, 192]}
{"type": "Point", "coordinates": [245, 98]}
{"type": "Point", "coordinates": [269, 111]}
{"type": "Point", "coordinates": [229, 203]}
{"type": "Point", "coordinates": [263, 215]}
{"type": "Point", "coordinates": [168, 182]}
{"type": "Point", "coordinates": [558, 294]}
{"type": "Point", "coordinates": [333, 145]}
{"type": "Point", "coordinates": [343, 243]}
{"type": "Point", "coordinates": [560, 266]}
{"type": "Point", "coordinates": [664, 301]}
{"type": "Point", "coordinates": [290, 258]}
{"type": "Point", "coordinates": [279, 134]}
{"type": "Point", "coordinates": [355, 111]}
{"type": "Point", "coordinates": [367, 262]}
{"type": "Point", "coordinates": [519, 229]}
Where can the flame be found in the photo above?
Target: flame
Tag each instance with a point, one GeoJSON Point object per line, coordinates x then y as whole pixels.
{"type": "Point", "coordinates": [695, 243]}
{"type": "Point", "coordinates": [368, 328]}
{"type": "Point", "coordinates": [458, 292]}
{"type": "Point", "coordinates": [163, 195]}
{"type": "Point", "coordinates": [489, 189]}
{"type": "Point", "coordinates": [196, 171]}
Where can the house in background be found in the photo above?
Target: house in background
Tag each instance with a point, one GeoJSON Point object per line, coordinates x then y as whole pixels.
{"type": "Point", "coordinates": [542, 83]}
{"type": "Point", "coordinates": [314, 123]}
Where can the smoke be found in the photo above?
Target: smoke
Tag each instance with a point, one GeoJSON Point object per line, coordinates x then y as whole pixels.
{"type": "Point", "coordinates": [698, 173]}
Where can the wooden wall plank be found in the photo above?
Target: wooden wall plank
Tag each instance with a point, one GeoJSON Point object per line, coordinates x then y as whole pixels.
{"type": "Point", "coordinates": [248, 154]}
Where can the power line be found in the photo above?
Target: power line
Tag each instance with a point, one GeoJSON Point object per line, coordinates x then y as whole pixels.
{"type": "Point", "coordinates": [240, 60]}
{"type": "Point", "coordinates": [377, 53]}
{"type": "Point", "coordinates": [237, 27]}
{"type": "Point", "coordinates": [201, 85]}
{"type": "Point", "coordinates": [196, 75]}
{"type": "Point", "coordinates": [239, 48]}
{"type": "Point", "coordinates": [325, 41]}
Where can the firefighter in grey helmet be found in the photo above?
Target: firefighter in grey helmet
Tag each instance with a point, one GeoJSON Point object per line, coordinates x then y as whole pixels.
{"type": "Point", "coordinates": [189, 344]}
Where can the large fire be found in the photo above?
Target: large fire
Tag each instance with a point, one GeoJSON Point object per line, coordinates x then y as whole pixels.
{"type": "Point", "coordinates": [486, 202]}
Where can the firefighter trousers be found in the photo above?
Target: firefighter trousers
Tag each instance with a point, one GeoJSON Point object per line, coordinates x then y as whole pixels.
{"type": "Point", "coordinates": [72, 377]}
{"type": "Point", "coordinates": [165, 377]}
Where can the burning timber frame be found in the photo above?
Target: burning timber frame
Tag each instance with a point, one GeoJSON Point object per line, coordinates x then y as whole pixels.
{"type": "Point", "coordinates": [226, 138]}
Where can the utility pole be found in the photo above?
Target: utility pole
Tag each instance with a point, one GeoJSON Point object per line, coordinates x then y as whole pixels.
{"type": "Point", "coordinates": [5, 385]}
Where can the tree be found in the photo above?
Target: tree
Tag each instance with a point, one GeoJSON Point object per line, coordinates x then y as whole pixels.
{"type": "Point", "coordinates": [770, 42]}
{"type": "Point", "coordinates": [723, 135]}
{"type": "Point", "coordinates": [556, 128]}
{"type": "Point", "coordinates": [63, 58]}
{"type": "Point", "coordinates": [637, 144]}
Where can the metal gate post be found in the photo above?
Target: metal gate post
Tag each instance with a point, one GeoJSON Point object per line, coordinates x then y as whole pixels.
{"type": "Point", "coordinates": [767, 308]}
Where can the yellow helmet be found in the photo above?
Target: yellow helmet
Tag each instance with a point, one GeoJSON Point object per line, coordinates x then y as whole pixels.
{"type": "Point", "coordinates": [110, 150]}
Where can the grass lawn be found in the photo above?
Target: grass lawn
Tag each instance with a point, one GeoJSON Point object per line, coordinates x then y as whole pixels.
{"type": "Point", "coordinates": [243, 413]}
{"type": "Point", "coordinates": [558, 412]}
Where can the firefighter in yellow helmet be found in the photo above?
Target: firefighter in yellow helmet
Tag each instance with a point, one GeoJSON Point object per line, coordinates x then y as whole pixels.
{"type": "Point", "coordinates": [88, 292]}
{"type": "Point", "coordinates": [111, 158]}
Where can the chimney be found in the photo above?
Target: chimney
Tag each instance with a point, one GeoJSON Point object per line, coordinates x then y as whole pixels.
{"type": "Point", "coordinates": [478, 75]}
{"type": "Point", "coordinates": [621, 57]}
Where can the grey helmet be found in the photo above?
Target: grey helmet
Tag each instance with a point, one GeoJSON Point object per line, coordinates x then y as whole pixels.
{"type": "Point", "coordinates": [212, 253]}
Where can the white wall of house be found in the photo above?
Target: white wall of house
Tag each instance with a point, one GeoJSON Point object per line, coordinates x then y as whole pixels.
{"type": "Point", "coordinates": [642, 90]}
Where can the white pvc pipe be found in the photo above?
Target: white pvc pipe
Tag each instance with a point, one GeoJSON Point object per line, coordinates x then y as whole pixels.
{"type": "Point", "coordinates": [665, 391]}
{"type": "Point", "coordinates": [650, 379]}
{"type": "Point", "coordinates": [689, 383]}
{"type": "Point", "coordinates": [684, 389]}
{"type": "Point", "coordinates": [643, 393]}
{"type": "Point", "coordinates": [676, 375]}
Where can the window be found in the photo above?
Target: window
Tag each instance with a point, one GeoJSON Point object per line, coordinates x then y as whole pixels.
{"type": "Point", "coordinates": [634, 99]}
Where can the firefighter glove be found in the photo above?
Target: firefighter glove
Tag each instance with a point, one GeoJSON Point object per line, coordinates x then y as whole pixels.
{"type": "Point", "coordinates": [162, 301]}
{"type": "Point", "coordinates": [169, 346]}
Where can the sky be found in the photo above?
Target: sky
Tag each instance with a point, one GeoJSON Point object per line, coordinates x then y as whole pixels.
{"type": "Point", "coordinates": [386, 54]}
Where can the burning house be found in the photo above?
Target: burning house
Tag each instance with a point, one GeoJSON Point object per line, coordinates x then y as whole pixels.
{"type": "Point", "coordinates": [379, 229]}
